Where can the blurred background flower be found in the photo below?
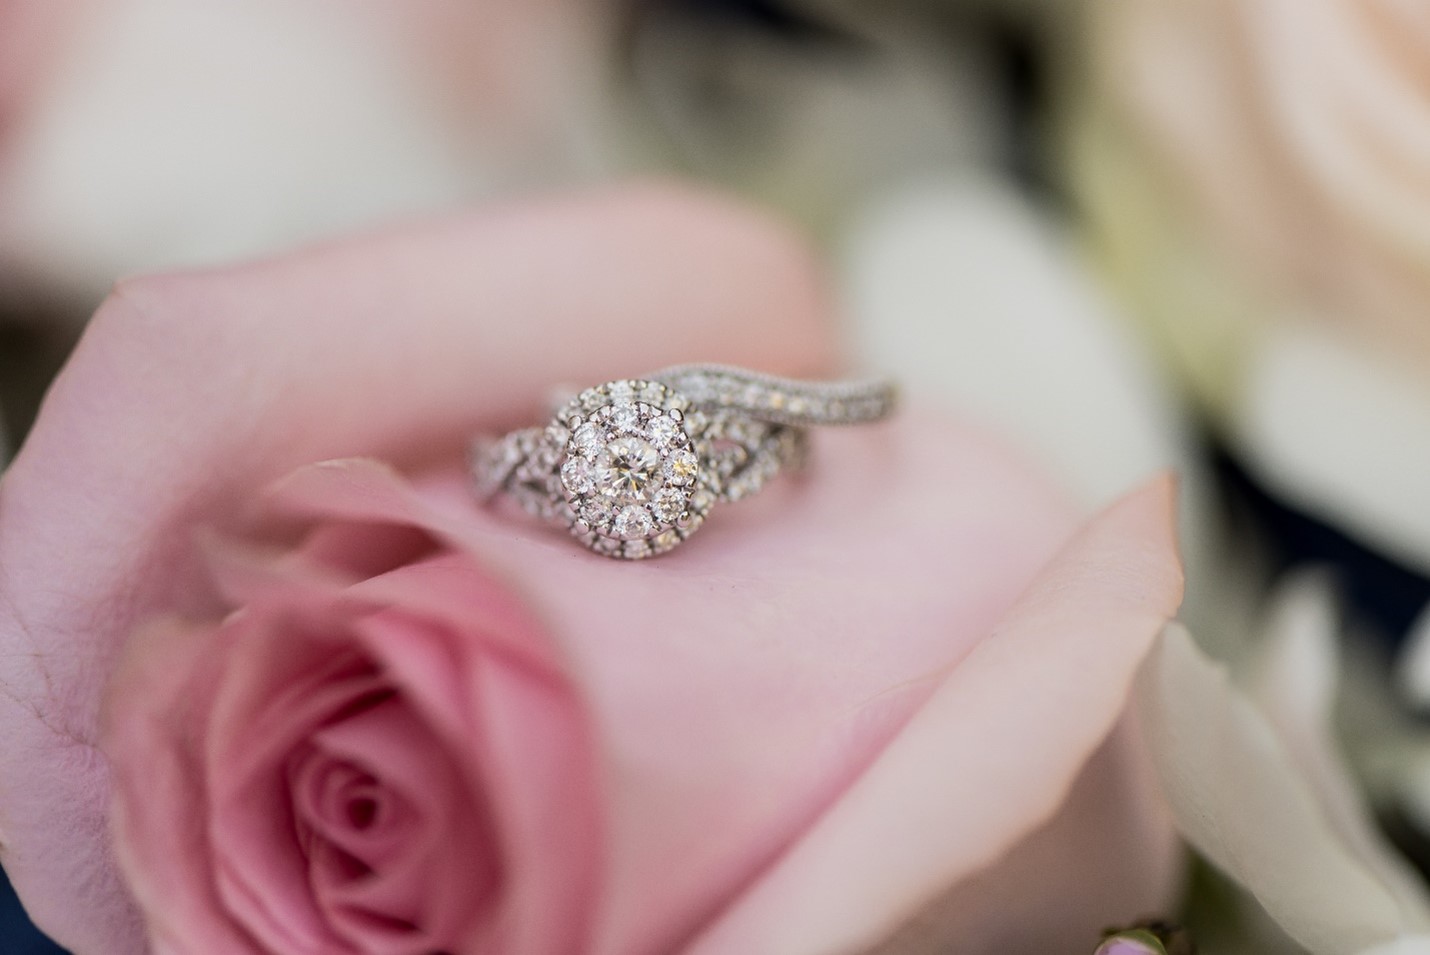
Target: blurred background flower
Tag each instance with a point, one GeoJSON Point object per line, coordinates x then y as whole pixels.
{"type": "Point", "coordinates": [1254, 178]}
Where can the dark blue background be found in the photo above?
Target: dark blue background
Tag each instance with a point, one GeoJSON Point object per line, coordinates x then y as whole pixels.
{"type": "Point", "coordinates": [17, 935]}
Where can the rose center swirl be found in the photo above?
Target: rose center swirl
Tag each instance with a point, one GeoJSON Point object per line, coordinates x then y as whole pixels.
{"type": "Point", "coordinates": [375, 799]}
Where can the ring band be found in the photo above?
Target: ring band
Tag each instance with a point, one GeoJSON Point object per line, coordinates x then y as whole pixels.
{"type": "Point", "coordinates": [632, 467]}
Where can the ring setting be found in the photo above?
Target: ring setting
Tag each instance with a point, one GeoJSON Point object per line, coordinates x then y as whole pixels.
{"type": "Point", "coordinates": [633, 467]}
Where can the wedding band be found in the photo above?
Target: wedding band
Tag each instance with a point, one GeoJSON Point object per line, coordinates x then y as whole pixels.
{"type": "Point", "coordinates": [633, 467]}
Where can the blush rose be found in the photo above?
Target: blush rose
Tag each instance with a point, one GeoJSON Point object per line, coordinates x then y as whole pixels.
{"type": "Point", "coordinates": [379, 751]}
{"type": "Point", "coordinates": [852, 702]}
{"type": "Point", "coordinates": [395, 764]}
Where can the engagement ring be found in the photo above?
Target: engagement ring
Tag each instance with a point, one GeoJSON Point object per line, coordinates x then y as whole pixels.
{"type": "Point", "coordinates": [632, 468]}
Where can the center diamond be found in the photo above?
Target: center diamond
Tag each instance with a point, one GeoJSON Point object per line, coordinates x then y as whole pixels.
{"type": "Point", "coordinates": [632, 468]}
{"type": "Point", "coordinates": [628, 470]}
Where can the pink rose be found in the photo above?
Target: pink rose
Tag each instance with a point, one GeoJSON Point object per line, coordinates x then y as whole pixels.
{"type": "Point", "coordinates": [32, 32]}
{"type": "Point", "coordinates": [877, 705]}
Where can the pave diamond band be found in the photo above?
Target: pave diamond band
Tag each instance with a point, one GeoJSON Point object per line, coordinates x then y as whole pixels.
{"type": "Point", "coordinates": [782, 400]}
{"type": "Point", "coordinates": [632, 467]}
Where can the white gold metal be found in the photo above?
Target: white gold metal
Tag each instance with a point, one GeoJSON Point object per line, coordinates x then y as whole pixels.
{"type": "Point", "coordinates": [783, 400]}
{"type": "Point", "coordinates": [632, 468]}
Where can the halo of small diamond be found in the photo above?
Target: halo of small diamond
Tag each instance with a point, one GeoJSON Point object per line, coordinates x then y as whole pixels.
{"type": "Point", "coordinates": [632, 474]}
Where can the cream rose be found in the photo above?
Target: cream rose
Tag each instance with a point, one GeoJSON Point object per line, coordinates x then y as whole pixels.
{"type": "Point", "coordinates": [1255, 175]}
{"type": "Point", "coordinates": [1298, 131]}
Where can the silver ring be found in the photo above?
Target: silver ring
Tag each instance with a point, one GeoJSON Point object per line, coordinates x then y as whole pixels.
{"type": "Point", "coordinates": [633, 467]}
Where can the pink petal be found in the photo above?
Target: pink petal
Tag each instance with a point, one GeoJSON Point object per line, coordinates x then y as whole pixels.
{"type": "Point", "coordinates": [190, 391]}
{"type": "Point", "coordinates": [522, 747]}
{"type": "Point", "coordinates": [180, 892]}
{"type": "Point", "coordinates": [741, 683]}
{"type": "Point", "coordinates": [525, 737]}
{"type": "Point", "coordinates": [434, 858]}
{"type": "Point", "coordinates": [988, 758]}
{"type": "Point", "coordinates": [1108, 857]}
{"type": "Point", "coordinates": [33, 35]}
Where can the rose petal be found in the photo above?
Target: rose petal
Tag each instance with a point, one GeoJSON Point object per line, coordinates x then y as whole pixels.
{"type": "Point", "coordinates": [523, 727]}
{"type": "Point", "coordinates": [947, 798]}
{"type": "Point", "coordinates": [504, 720]}
{"type": "Point", "coordinates": [271, 699]}
{"type": "Point", "coordinates": [428, 820]}
{"type": "Point", "coordinates": [1295, 683]}
{"type": "Point", "coordinates": [181, 894]}
{"type": "Point", "coordinates": [1108, 857]}
{"type": "Point", "coordinates": [32, 34]}
{"type": "Point", "coordinates": [1242, 801]}
{"type": "Point", "coordinates": [757, 684]}
{"type": "Point", "coordinates": [189, 391]}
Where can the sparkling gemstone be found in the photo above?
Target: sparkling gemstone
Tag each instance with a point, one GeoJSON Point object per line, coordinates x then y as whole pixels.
{"type": "Point", "coordinates": [620, 390]}
{"type": "Point", "coordinates": [532, 502]}
{"type": "Point", "coordinates": [577, 475]}
{"type": "Point", "coordinates": [589, 440]}
{"type": "Point", "coordinates": [596, 512]}
{"type": "Point", "coordinates": [698, 387]}
{"type": "Point", "coordinates": [652, 393]}
{"type": "Point", "coordinates": [625, 417]}
{"type": "Point", "coordinates": [668, 504]}
{"type": "Point", "coordinates": [681, 467]}
{"type": "Point", "coordinates": [663, 431]}
{"type": "Point", "coordinates": [728, 459]}
{"type": "Point", "coordinates": [743, 431]}
{"type": "Point", "coordinates": [629, 470]}
{"type": "Point", "coordinates": [495, 462]}
{"type": "Point", "coordinates": [632, 522]}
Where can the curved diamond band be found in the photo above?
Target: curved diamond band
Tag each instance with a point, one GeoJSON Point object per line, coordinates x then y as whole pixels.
{"type": "Point", "coordinates": [632, 467]}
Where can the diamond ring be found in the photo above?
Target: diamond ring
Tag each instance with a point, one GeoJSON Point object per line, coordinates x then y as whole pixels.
{"type": "Point", "coordinates": [632, 467]}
